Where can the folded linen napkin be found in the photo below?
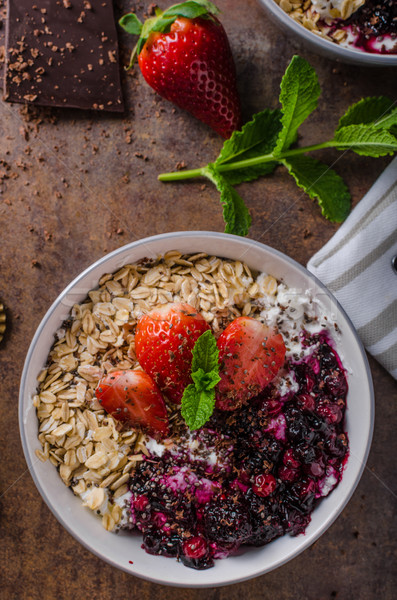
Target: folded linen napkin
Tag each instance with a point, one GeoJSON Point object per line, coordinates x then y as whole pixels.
{"type": "Point", "coordinates": [359, 265]}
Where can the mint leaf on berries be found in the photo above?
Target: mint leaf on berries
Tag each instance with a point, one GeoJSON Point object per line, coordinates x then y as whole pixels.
{"type": "Point", "coordinates": [197, 406]}
{"type": "Point", "coordinates": [198, 400]}
{"type": "Point", "coordinates": [205, 353]}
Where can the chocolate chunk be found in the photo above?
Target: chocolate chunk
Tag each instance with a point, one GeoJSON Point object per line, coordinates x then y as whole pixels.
{"type": "Point", "coordinates": [2, 40]}
{"type": "Point", "coordinates": [63, 53]}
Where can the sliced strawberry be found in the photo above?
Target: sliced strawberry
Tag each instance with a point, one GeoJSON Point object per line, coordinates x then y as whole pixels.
{"type": "Point", "coordinates": [164, 340]}
{"type": "Point", "coordinates": [134, 398]}
{"type": "Point", "coordinates": [250, 355]}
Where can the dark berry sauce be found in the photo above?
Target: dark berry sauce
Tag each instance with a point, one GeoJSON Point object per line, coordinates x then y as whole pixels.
{"type": "Point", "coordinates": [251, 475]}
{"type": "Point", "coordinates": [370, 24]}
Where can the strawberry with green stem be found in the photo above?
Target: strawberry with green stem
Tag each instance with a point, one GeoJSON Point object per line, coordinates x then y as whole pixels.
{"type": "Point", "coordinates": [185, 56]}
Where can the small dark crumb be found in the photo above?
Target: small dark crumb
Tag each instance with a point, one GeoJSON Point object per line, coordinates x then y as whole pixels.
{"type": "Point", "coordinates": [142, 156]}
{"type": "Point", "coordinates": [356, 533]}
{"type": "Point", "coordinates": [306, 234]}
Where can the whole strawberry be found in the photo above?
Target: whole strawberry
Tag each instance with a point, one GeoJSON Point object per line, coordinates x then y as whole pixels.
{"type": "Point", "coordinates": [184, 55]}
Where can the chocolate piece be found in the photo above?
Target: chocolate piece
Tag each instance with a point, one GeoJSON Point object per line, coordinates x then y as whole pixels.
{"type": "Point", "coordinates": [2, 40]}
{"type": "Point", "coordinates": [63, 53]}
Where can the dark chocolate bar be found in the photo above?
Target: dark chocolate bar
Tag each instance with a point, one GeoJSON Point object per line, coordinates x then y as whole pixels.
{"type": "Point", "coordinates": [2, 40]}
{"type": "Point", "coordinates": [63, 53]}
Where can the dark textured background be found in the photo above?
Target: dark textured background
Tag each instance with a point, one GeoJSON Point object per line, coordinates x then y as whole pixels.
{"type": "Point", "coordinates": [75, 185]}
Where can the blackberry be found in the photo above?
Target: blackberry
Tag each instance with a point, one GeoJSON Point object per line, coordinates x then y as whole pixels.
{"type": "Point", "coordinates": [227, 522]}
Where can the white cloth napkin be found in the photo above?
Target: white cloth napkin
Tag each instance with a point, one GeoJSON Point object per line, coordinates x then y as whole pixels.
{"type": "Point", "coordinates": [357, 266]}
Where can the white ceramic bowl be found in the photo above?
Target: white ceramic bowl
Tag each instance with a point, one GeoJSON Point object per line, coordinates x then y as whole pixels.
{"type": "Point", "coordinates": [323, 46]}
{"type": "Point", "coordinates": [119, 550]}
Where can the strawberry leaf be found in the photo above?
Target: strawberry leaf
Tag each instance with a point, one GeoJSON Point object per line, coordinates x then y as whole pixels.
{"type": "Point", "coordinates": [365, 140]}
{"type": "Point", "coordinates": [300, 91]}
{"type": "Point", "coordinates": [131, 24]}
{"type": "Point", "coordinates": [192, 9]}
{"type": "Point", "coordinates": [235, 213]}
{"type": "Point", "coordinates": [322, 183]}
{"type": "Point", "coordinates": [197, 406]}
{"type": "Point", "coordinates": [377, 111]}
{"type": "Point", "coordinates": [162, 21]}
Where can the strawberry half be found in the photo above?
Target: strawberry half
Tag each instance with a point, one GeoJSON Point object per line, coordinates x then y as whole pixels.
{"type": "Point", "coordinates": [133, 397]}
{"type": "Point", "coordinates": [164, 341]}
{"type": "Point", "coordinates": [250, 356]}
{"type": "Point", "coordinates": [185, 56]}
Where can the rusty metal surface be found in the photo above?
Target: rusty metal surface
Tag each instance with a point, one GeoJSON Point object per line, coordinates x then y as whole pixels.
{"type": "Point", "coordinates": [74, 186]}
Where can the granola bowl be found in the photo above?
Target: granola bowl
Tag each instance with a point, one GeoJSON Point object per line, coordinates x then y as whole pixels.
{"type": "Point", "coordinates": [326, 45]}
{"type": "Point", "coordinates": [124, 550]}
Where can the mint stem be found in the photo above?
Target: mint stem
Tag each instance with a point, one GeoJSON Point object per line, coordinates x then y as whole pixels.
{"type": "Point", "coordinates": [249, 162]}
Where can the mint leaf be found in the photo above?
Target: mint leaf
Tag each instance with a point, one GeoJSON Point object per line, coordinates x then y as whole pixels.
{"type": "Point", "coordinates": [365, 140]}
{"type": "Point", "coordinates": [205, 353]}
{"type": "Point", "coordinates": [197, 406]}
{"type": "Point", "coordinates": [235, 213]}
{"type": "Point", "coordinates": [321, 182]}
{"type": "Point", "coordinates": [246, 174]}
{"type": "Point", "coordinates": [257, 137]}
{"type": "Point", "coordinates": [198, 400]}
{"type": "Point", "coordinates": [205, 381]}
{"type": "Point", "coordinates": [192, 9]}
{"type": "Point", "coordinates": [388, 121]}
{"type": "Point", "coordinates": [373, 110]}
{"type": "Point", "coordinates": [131, 24]}
{"type": "Point", "coordinates": [300, 91]}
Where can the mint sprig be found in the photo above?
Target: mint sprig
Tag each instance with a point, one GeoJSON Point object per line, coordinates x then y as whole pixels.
{"type": "Point", "coordinates": [368, 128]}
{"type": "Point", "coordinates": [198, 400]}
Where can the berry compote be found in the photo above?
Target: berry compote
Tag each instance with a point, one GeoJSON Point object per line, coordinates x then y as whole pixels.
{"type": "Point", "coordinates": [250, 475]}
{"type": "Point", "coordinates": [373, 27]}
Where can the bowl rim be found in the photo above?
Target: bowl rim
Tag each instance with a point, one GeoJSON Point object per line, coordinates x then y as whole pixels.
{"type": "Point", "coordinates": [339, 52]}
{"type": "Point", "coordinates": [176, 236]}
